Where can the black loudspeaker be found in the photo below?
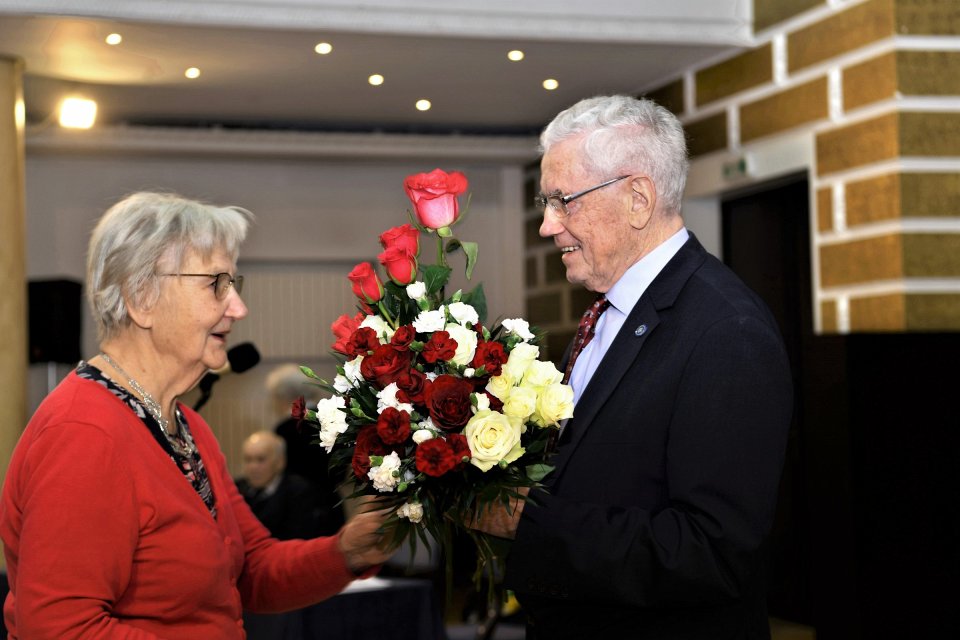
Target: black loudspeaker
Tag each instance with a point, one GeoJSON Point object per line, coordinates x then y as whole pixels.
{"type": "Point", "coordinates": [54, 321]}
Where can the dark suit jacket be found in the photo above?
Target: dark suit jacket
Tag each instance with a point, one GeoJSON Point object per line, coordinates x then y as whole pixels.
{"type": "Point", "coordinates": [290, 512]}
{"type": "Point", "coordinates": [667, 475]}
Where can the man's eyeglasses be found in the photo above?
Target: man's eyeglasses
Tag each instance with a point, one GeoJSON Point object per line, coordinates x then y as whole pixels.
{"type": "Point", "coordinates": [221, 282]}
{"type": "Point", "coordinates": [558, 202]}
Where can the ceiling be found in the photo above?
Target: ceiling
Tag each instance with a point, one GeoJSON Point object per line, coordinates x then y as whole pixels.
{"type": "Point", "coordinates": [270, 77]}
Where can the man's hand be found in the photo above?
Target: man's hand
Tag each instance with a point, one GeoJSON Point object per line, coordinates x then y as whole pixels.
{"type": "Point", "coordinates": [499, 521]}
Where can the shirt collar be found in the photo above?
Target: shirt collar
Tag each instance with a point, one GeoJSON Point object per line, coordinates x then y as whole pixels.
{"type": "Point", "coordinates": [623, 295]}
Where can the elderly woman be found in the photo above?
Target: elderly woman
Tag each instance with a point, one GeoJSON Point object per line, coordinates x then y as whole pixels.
{"type": "Point", "coordinates": [119, 517]}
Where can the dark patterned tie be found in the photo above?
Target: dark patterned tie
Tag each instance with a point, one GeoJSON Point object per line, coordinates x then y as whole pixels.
{"type": "Point", "coordinates": [588, 323]}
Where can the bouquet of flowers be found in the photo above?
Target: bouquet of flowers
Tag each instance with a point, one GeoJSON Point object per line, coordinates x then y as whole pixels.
{"type": "Point", "coordinates": [435, 412]}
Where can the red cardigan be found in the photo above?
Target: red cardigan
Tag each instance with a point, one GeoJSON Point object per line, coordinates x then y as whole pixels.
{"type": "Point", "coordinates": [105, 538]}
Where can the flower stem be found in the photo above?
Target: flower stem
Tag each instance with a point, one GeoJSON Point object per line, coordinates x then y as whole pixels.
{"type": "Point", "coordinates": [386, 314]}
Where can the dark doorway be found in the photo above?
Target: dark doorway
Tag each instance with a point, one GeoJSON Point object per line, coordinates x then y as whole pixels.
{"type": "Point", "coordinates": [866, 538]}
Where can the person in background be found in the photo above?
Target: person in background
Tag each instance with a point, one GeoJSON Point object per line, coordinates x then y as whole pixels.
{"type": "Point", "coordinates": [285, 503]}
{"type": "Point", "coordinates": [286, 384]}
{"type": "Point", "coordinates": [654, 519]}
{"type": "Point", "coordinates": [118, 516]}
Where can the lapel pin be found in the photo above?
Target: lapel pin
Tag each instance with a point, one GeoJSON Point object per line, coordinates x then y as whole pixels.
{"type": "Point", "coordinates": [642, 329]}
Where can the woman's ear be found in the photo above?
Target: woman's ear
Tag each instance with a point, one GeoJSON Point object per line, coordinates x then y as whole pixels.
{"type": "Point", "coordinates": [643, 202]}
{"type": "Point", "coordinates": [139, 311]}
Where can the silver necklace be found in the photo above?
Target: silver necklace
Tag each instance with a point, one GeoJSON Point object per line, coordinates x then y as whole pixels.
{"type": "Point", "coordinates": [184, 446]}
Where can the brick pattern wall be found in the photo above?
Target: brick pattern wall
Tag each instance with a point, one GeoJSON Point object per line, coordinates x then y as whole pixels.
{"type": "Point", "coordinates": [876, 84]}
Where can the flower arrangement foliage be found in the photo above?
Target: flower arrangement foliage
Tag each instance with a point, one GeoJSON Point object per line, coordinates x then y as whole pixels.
{"type": "Point", "coordinates": [431, 410]}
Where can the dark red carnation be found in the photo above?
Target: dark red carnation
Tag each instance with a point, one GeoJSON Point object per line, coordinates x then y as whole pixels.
{"type": "Point", "coordinates": [299, 409]}
{"type": "Point", "coordinates": [412, 385]}
{"type": "Point", "coordinates": [368, 444]}
{"type": "Point", "coordinates": [496, 404]}
{"type": "Point", "coordinates": [435, 457]}
{"type": "Point", "coordinates": [384, 365]}
{"type": "Point", "coordinates": [393, 427]}
{"type": "Point", "coordinates": [402, 337]}
{"type": "Point", "coordinates": [448, 401]}
{"type": "Point", "coordinates": [362, 341]}
{"type": "Point", "coordinates": [460, 447]}
{"type": "Point", "coordinates": [491, 356]}
{"type": "Point", "coordinates": [440, 347]}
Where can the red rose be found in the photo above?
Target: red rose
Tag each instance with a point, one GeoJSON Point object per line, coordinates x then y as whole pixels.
{"type": "Point", "coordinates": [362, 341]}
{"type": "Point", "coordinates": [368, 444]}
{"type": "Point", "coordinates": [399, 265]}
{"type": "Point", "coordinates": [343, 327]}
{"type": "Point", "coordinates": [448, 401]}
{"type": "Point", "coordinates": [491, 356]}
{"type": "Point", "coordinates": [366, 283]}
{"type": "Point", "coordinates": [412, 385]}
{"type": "Point", "coordinates": [434, 196]}
{"type": "Point", "coordinates": [384, 365]}
{"type": "Point", "coordinates": [393, 426]}
{"type": "Point", "coordinates": [435, 457]}
{"type": "Point", "coordinates": [440, 347]}
{"type": "Point", "coordinates": [299, 409]}
{"type": "Point", "coordinates": [402, 337]}
{"type": "Point", "coordinates": [405, 237]}
{"type": "Point", "coordinates": [460, 447]}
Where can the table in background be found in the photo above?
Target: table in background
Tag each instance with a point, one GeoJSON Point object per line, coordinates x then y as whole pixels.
{"type": "Point", "coordinates": [381, 608]}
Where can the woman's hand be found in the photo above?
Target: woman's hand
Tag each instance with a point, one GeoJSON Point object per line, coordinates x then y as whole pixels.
{"type": "Point", "coordinates": [361, 540]}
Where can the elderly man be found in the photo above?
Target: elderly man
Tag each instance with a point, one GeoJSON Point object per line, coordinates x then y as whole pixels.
{"type": "Point", "coordinates": [285, 504]}
{"type": "Point", "coordinates": [666, 478]}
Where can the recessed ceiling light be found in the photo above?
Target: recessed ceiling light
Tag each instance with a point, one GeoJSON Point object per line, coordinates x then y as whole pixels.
{"type": "Point", "coordinates": [423, 105]}
{"type": "Point", "coordinates": [515, 56]}
{"type": "Point", "coordinates": [376, 79]}
{"type": "Point", "coordinates": [323, 48]}
{"type": "Point", "coordinates": [192, 73]}
{"type": "Point", "coordinates": [113, 39]}
{"type": "Point", "coordinates": [550, 84]}
{"type": "Point", "coordinates": [78, 113]}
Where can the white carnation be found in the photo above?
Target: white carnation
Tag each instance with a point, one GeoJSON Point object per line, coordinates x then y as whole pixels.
{"type": "Point", "coordinates": [518, 327]}
{"type": "Point", "coordinates": [383, 330]}
{"type": "Point", "coordinates": [352, 369]}
{"type": "Point", "coordinates": [387, 397]}
{"type": "Point", "coordinates": [383, 475]}
{"type": "Point", "coordinates": [422, 435]}
{"type": "Point", "coordinates": [341, 384]}
{"type": "Point", "coordinates": [430, 321]}
{"type": "Point", "coordinates": [416, 290]}
{"type": "Point", "coordinates": [463, 313]}
{"type": "Point", "coordinates": [413, 511]}
{"type": "Point", "coordinates": [482, 400]}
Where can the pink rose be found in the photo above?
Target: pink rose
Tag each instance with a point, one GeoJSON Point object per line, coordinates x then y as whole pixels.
{"type": "Point", "coordinates": [366, 283]}
{"type": "Point", "coordinates": [434, 196]}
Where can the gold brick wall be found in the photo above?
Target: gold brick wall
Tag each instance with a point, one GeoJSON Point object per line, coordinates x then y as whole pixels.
{"type": "Point", "coordinates": [875, 84]}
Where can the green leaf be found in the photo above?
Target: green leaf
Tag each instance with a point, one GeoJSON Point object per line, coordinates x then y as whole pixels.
{"type": "Point", "coordinates": [435, 277]}
{"type": "Point", "coordinates": [538, 472]}
{"type": "Point", "coordinates": [470, 249]}
{"type": "Point", "coordinates": [452, 245]}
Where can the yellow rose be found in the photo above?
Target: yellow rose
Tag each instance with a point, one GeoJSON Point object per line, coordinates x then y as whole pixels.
{"type": "Point", "coordinates": [520, 358]}
{"type": "Point", "coordinates": [541, 374]}
{"type": "Point", "coordinates": [500, 386]}
{"type": "Point", "coordinates": [521, 403]}
{"type": "Point", "coordinates": [493, 437]}
{"type": "Point", "coordinates": [554, 404]}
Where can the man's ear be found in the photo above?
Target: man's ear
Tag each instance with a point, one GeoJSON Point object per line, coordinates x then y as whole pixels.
{"type": "Point", "coordinates": [643, 202]}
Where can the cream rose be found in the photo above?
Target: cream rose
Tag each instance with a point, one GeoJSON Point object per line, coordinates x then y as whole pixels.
{"type": "Point", "coordinates": [492, 438]}
{"type": "Point", "coordinates": [541, 374]}
{"type": "Point", "coordinates": [521, 404]}
{"type": "Point", "coordinates": [520, 358]}
{"type": "Point", "coordinates": [466, 343]}
{"type": "Point", "coordinates": [555, 403]}
{"type": "Point", "coordinates": [500, 386]}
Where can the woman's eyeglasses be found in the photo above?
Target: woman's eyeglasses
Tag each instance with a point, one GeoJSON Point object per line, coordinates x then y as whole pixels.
{"type": "Point", "coordinates": [221, 282]}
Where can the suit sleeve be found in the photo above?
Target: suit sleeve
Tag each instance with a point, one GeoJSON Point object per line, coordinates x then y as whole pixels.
{"type": "Point", "coordinates": [726, 441]}
{"type": "Point", "coordinates": [79, 533]}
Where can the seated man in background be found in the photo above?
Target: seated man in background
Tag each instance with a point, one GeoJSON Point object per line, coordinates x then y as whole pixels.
{"type": "Point", "coordinates": [304, 458]}
{"type": "Point", "coordinates": [286, 504]}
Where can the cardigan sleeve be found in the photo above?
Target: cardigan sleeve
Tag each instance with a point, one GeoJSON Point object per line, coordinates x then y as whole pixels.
{"type": "Point", "coordinates": [78, 536]}
{"type": "Point", "coordinates": [279, 575]}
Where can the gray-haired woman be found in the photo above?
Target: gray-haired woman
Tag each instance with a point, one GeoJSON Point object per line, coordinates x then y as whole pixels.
{"type": "Point", "coordinates": [119, 517]}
